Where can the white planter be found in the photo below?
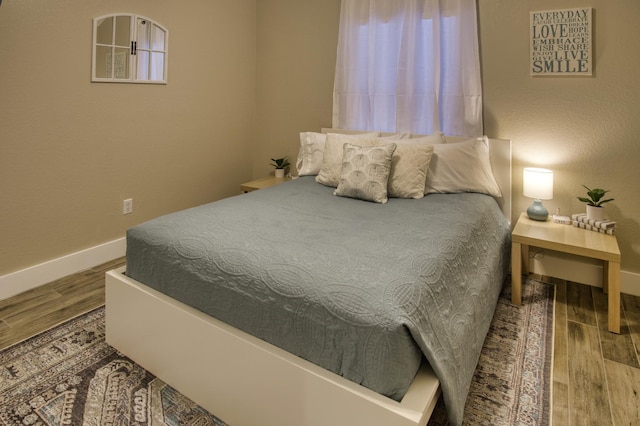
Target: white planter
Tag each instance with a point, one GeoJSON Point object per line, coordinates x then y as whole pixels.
{"type": "Point", "coordinates": [279, 173]}
{"type": "Point", "coordinates": [595, 213]}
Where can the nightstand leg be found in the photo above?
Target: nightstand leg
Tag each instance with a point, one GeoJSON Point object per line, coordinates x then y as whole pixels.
{"type": "Point", "coordinates": [612, 282]}
{"type": "Point", "coordinates": [525, 259]}
{"type": "Point", "coordinates": [516, 273]}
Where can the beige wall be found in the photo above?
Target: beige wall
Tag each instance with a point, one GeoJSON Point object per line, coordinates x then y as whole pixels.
{"type": "Point", "coordinates": [297, 42]}
{"type": "Point", "coordinates": [586, 129]}
{"type": "Point", "coordinates": [72, 150]}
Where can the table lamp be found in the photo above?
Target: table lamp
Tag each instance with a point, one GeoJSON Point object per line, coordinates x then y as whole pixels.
{"type": "Point", "coordinates": [537, 183]}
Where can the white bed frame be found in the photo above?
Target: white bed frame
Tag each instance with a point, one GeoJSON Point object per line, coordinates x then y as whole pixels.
{"type": "Point", "coordinates": [246, 381]}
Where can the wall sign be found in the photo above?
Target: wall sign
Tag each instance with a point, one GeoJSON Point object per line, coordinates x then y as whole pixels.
{"type": "Point", "coordinates": [561, 42]}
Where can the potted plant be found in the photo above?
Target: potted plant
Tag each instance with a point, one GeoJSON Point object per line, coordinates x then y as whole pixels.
{"type": "Point", "coordinates": [280, 164]}
{"type": "Point", "coordinates": [594, 202]}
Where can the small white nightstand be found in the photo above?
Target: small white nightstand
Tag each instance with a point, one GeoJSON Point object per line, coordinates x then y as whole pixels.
{"type": "Point", "coordinates": [572, 240]}
{"type": "Point", "coordinates": [262, 183]}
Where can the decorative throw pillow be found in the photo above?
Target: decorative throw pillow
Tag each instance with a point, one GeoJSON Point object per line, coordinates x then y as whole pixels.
{"type": "Point", "coordinates": [329, 173]}
{"type": "Point", "coordinates": [365, 172]}
{"type": "Point", "coordinates": [409, 165]}
{"type": "Point", "coordinates": [311, 153]}
{"type": "Point", "coordinates": [462, 167]}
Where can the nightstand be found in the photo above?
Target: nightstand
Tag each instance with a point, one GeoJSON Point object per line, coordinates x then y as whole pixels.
{"type": "Point", "coordinates": [262, 183]}
{"type": "Point", "coordinates": [572, 240]}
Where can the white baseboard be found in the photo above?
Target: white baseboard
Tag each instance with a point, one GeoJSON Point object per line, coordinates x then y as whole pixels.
{"type": "Point", "coordinates": [37, 275]}
{"type": "Point", "coordinates": [578, 269]}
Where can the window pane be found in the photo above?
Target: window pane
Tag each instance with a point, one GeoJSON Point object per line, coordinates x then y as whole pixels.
{"type": "Point", "coordinates": [113, 57]}
{"type": "Point", "coordinates": [157, 66]}
{"type": "Point", "coordinates": [121, 63]}
{"type": "Point", "coordinates": [143, 65]}
{"type": "Point", "coordinates": [103, 62]}
{"type": "Point", "coordinates": [104, 32]}
{"type": "Point", "coordinates": [123, 31]}
{"type": "Point", "coordinates": [158, 39]}
{"type": "Point", "coordinates": [143, 34]}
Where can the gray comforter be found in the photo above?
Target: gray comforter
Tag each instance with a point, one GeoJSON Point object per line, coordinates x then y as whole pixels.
{"type": "Point", "coordinates": [364, 290]}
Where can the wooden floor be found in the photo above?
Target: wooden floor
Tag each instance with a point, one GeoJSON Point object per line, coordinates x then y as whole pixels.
{"type": "Point", "coordinates": [36, 310]}
{"type": "Point", "coordinates": [596, 373]}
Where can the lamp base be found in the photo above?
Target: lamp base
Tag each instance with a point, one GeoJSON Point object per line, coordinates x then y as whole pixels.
{"type": "Point", "coordinates": [537, 211]}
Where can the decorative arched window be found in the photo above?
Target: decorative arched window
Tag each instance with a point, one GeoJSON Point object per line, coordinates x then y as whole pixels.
{"type": "Point", "coordinates": [129, 48]}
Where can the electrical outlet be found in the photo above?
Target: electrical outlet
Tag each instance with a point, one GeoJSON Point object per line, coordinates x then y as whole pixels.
{"type": "Point", "coordinates": [127, 206]}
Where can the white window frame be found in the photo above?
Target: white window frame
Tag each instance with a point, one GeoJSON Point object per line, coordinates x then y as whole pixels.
{"type": "Point", "coordinates": [131, 67]}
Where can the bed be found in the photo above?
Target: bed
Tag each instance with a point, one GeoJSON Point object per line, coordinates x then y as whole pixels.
{"type": "Point", "coordinates": [354, 317]}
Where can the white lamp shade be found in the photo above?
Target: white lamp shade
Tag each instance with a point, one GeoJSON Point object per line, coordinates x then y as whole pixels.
{"type": "Point", "coordinates": [537, 183]}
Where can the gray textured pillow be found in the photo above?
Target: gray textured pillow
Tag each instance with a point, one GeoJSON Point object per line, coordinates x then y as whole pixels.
{"type": "Point", "coordinates": [409, 165]}
{"type": "Point", "coordinates": [365, 172]}
{"type": "Point", "coordinates": [329, 173]}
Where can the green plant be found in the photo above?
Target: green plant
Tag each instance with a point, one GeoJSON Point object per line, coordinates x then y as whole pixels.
{"type": "Point", "coordinates": [280, 163]}
{"type": "Point", "coordinates": [595, 197]}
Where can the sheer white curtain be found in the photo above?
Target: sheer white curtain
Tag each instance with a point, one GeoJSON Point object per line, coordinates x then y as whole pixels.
{"type": "Point", "coordinates": [408, 66]}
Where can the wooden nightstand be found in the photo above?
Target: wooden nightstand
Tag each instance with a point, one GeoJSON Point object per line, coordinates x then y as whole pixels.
{"type": "Point", "coordinates": [572, 240]}
{"type": "Point", "coordinates": [262, 183]}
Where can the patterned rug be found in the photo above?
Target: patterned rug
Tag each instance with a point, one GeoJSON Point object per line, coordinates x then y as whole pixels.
{"type": "Point", "coordinates": [512, 382]}
{"type": "Point", "coordinates": [69, 376]}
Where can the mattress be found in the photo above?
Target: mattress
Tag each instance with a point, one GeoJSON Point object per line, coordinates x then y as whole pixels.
{"type": "Point", "coordinates": [362, 289]}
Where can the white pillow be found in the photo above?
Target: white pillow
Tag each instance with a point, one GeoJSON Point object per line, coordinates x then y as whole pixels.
{"type": "Point", "coordinates": [396, 136]}
{"type": "Point", "coordinates": [438, 137]}
{"type": "Point", "coordinates": [365, 172]}
{"type": "Point", "coordinates": [311, 153]}
{"type": "Point", "coordinates": [462, 167]}
{"type": "Point", "coordinates": [329, 173]}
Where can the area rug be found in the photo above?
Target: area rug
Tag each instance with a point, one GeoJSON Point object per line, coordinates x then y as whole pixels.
{"type": "Point", "coordinates": [69, 375]}
{"type": "Point", "coordinates": [512, 382]}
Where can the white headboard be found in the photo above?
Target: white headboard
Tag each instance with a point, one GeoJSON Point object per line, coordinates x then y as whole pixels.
{"type": "Point", "coordinates": [500, 152]}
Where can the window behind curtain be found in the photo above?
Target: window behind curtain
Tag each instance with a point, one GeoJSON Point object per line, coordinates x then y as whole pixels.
{"type": "Point", "coordinates": [408, 66]}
